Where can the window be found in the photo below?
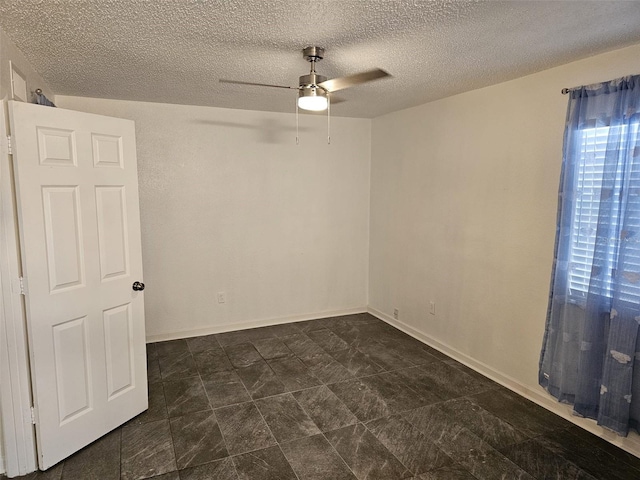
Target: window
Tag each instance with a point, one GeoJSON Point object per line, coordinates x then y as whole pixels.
{"type": "Point", "coordinates": [589, 178]}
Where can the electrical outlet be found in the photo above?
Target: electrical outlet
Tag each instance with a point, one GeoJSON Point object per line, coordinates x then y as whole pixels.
{"type": "Point", "coordinates": [222, 297]}
{"type": "Point", "coordinates": [432, 308]}
{"type": "Point", "coordinates": [396, 313]}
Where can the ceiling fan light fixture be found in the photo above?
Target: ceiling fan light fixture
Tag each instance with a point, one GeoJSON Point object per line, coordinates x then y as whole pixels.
{"type": "Point", "coordinates": [312, 98]}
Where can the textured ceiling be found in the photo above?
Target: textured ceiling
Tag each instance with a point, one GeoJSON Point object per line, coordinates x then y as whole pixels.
{"type": "Point", "coordinates": [175, 51]}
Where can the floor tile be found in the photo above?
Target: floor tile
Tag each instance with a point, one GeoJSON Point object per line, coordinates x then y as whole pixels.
{"type": "Point", "coordinates": [325, 368]}
{"type": "Point", "coordinates": [366, 317]}
{"type": "Point", "coordinates": [396, 393]}
{"type": "Point", "coordinates": [218, 470]}
{"type": "Point", "coordinates": [224, 388]}
{"type": "Point", "coordinates": [152, 351]}
{"type": "Point", "coordinates": [408, 444]}
{"type": "Point", "coordinates": [98, 461]}
{"type": "Point", "coordinates": [157, 406]}
{"type": "Point", "coordinates": [356, 362]}
{"type": "Point", "coordinates": [326, 410]}
{"type": "Point", "coordinates": [354, 335]}
{"type": "Point", "coordinates": [472, 373]}
{"type": "Point", "coordinates": [365, 404]}
{"type": "Point", "coordinates": [185, 396]}
{"type": "Point", "coordinates": [491, 465]}
{"type": "Point", "coordinates": [286, 419]}
{"type": "Point", "coordinates": [53, 473]}
{"type": "Point", "coordinates": [283, 329]}
{"type": "Point", "coordinates": [302, 346]}
{"type": "Point", "coordinates": [242, 355]}
{"type": "Point", "coordinates": [493, 430]}
{"type": "Point", "coordinates": [294, 374]}
{"type": "Point", "coordinates": [265, 464]}
{"type": "Point", "coordinates": [197, 439]}
{"type": "Point", "coordinates": [477, 456]}
{"type": "Point", "coordinates": [431, 421]}
{"type": "Point", "coordinates": [147, 450]}
{"type": "Point", "coordinates": [411, 350]}
{"type": "Point", "coordinates": [171, 348]}
{"type": "Point", "coordinates": [449, 382]}
{"type": "Point", "coordinates": [365, 455]}
{"type": "Point", "coordinates": [313, 458]}
{"type": "Point", "coordinates": [585, 456]}
{"type": "Point", "coordinates": [524, 415]}
{"type": "Point", "coordinates": [176, 366]}
{"type": "Point", "coordinates": [244, 336]}
{"type": "Point", "coordinates": [153, 370]}
{"type": "Point", "coordinates": [386, 358]}
{"type": "Point", "coordinates": [243, 428]}
{"type": "Point", "coordinates": [320, 324]}
{"type": "Point", "coordinates": [212, 361]}
{"type": "Point", "coordinates": [203, 343]}
{"type": "Point", "coordinates": [272, 348]}
{"type": "Point", "coordinates": [167, 476]}
{"type": "Point", "coordinates": [452, 472]}
{"type": "Point", "coordinates": [260, 381]}
{"type": "Point", "coordinates": [617, 453]}
{"type": "Point", "coordinates": [439, 379]}
{"type": "Point", "coordinates": [541, 462]}
{"type": "Point", "coordinates": [328, 340]}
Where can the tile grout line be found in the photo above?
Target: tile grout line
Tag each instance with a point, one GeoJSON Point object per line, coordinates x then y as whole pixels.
{"type": "Point", "coordinates": [276, 440]}
{"type": "Point", "coordinates": [338, 453]}
{"type": "Point", "coordinates": [413, 474]}
{"type": "Point", "coordinates": [323, 433]}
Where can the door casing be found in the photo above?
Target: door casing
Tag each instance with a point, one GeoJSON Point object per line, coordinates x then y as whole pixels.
{"type": "Point", "coordinates": [18, 435]}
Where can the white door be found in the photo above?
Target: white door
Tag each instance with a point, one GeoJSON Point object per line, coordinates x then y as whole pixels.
{"type": "Point", "coordinates": [79, 221]}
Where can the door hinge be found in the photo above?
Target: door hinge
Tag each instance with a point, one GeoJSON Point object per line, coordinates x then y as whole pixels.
{"type": "Point", "coordinates": [33, 416]}
{"type": "Point", "coordinates": [19, 286]}
{"type": "Point", "coordinates": [9, 146]}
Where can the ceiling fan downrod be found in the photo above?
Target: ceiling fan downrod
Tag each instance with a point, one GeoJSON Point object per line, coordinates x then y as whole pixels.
{"type": "Point", "coordinates": [309, 86]}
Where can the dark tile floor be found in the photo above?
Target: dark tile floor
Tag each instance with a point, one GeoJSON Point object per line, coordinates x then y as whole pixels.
{"type": "Point", "coordinates": [334, 399]}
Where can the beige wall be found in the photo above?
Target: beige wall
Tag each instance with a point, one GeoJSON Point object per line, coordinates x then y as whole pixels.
{"type": "Point", "coordinates": [463, 212]}
{"type": "Point", "coordinates": [230, 203]}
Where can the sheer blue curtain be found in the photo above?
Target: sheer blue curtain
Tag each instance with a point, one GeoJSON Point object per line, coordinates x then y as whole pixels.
{"type": "Point", "coordinates": [591, 350]}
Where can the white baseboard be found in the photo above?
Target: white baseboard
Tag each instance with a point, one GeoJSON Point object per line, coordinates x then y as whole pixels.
{"type": "Point", "coordinates": [539, 396]}
{"type": "Point", "coordinates": [228, 327]}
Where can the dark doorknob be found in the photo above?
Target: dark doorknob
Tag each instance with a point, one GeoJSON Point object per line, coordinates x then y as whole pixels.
{"type": "Point", "coordinates": [138, 286]}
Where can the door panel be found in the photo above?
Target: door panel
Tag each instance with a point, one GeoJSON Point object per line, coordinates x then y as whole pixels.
{"type": "Point", "coordinates": [65, 259]}
{"type": "Point", "coordinates": [112, 231]}
{"type": "Point", "coordinates": [107, 151]}
{"type": "Point", "coordinates": [77, 198]}
{"type": "Point", "coordinates": [118, 327]}
{"type": "Point", "coordinates": [72, 368]}
{"type": "Point", "coordinates": [56, 147]}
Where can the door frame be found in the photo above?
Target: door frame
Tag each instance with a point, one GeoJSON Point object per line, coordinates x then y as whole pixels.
{"type": "Point", "coordinates": [18, 434]}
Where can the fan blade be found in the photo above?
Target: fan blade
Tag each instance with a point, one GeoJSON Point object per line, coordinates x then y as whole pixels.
{"type": "Point", "coordinates": [335, 84]}
{"type": "Point", "coordinates": [336, 99]}
{"type": "Point", "coordinates": [237, 82]}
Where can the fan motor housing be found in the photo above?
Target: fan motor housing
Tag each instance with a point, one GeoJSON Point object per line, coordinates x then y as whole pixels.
{"type": "Point", "coordinates": [312, 79]}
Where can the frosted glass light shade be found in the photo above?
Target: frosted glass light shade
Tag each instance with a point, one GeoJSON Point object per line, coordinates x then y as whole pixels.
{"type": "Point", "coordinates": [314, 103]}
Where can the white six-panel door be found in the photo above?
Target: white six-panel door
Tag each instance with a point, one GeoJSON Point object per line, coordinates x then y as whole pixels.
{"type": "Point", "coordinates": [77, 196]}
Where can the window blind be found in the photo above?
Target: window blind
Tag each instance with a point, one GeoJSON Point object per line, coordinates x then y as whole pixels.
{"type": "Point", "coordinates": [588, 200]}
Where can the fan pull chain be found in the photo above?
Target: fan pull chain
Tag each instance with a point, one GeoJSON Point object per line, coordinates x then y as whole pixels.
{"type": "Point", "coordinates": [297, 123]}
{"type": "Point", "coordinates": [328, 119]}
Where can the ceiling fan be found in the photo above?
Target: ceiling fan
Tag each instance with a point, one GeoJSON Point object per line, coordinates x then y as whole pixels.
{"type": "Point", "coordinates": [314, 90]}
